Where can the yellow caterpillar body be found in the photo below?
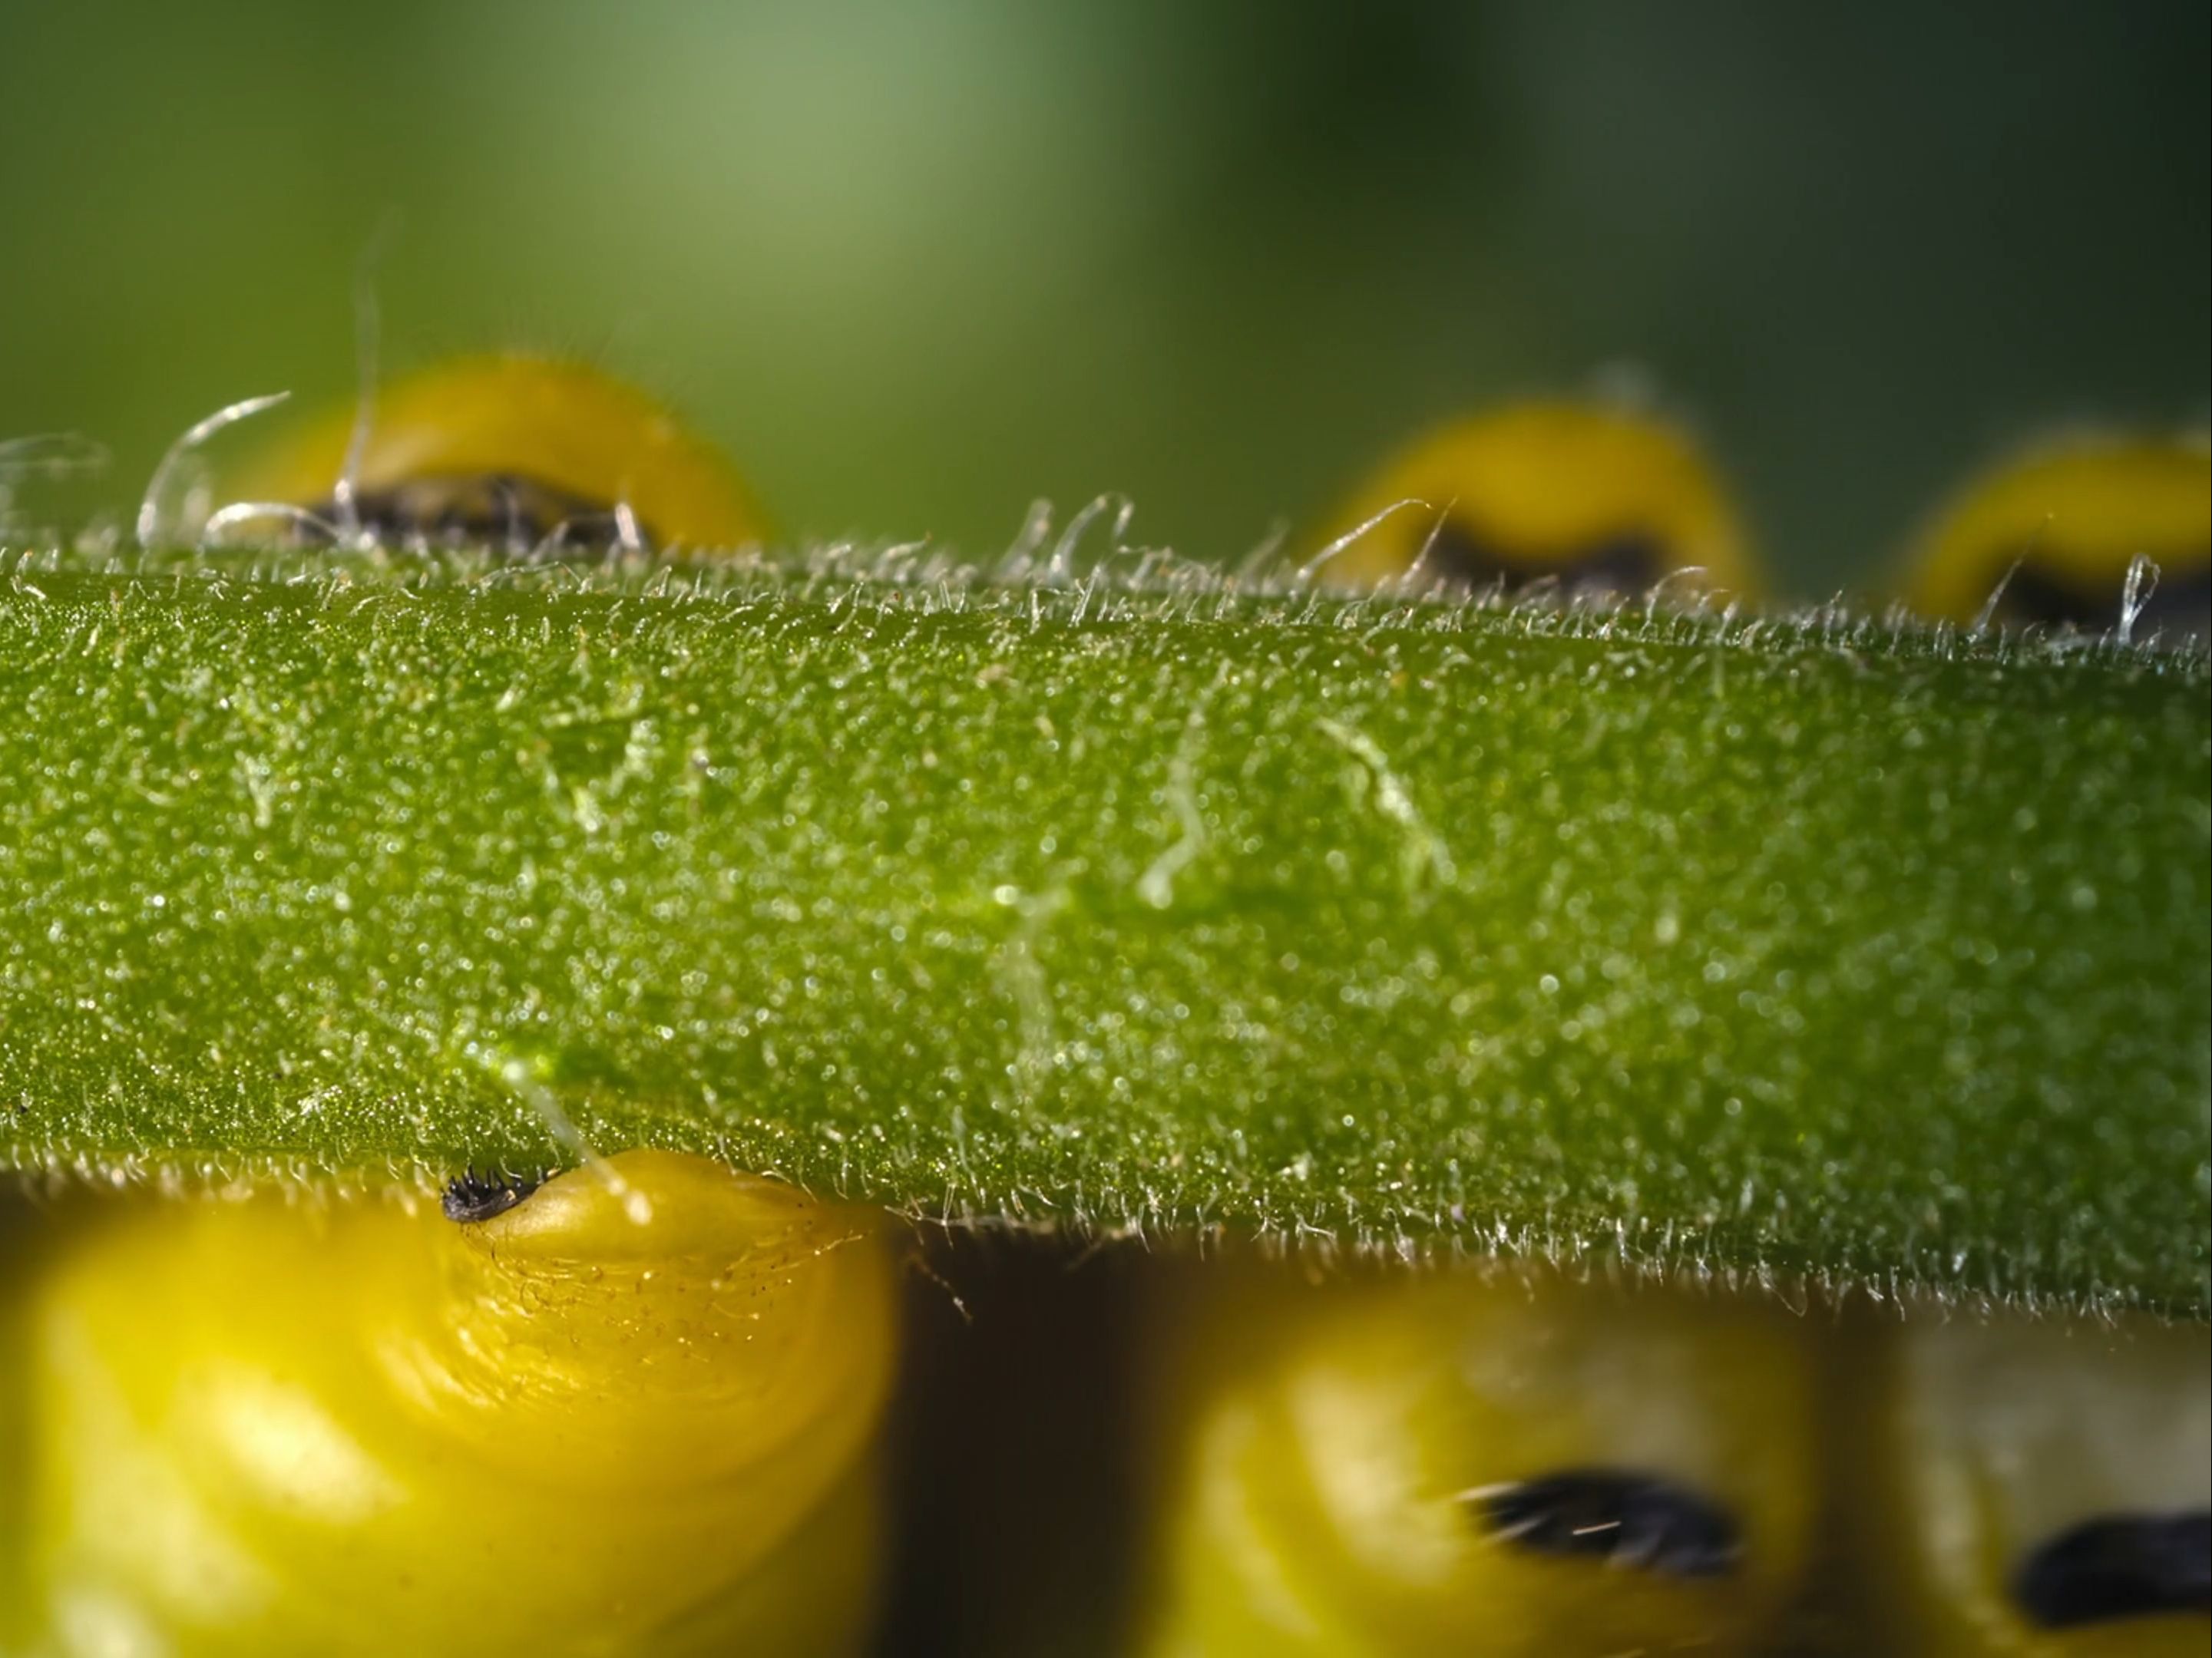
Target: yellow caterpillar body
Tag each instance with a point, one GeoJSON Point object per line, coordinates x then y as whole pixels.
{"type": "Point", "coordinates": [632, 1413]}
{"type": "Point", "coordinates": [1580, 495]}
{"type": "Point", "coordinates": [2049, 536]}
{"type": "Point", "coordinates": [512, 451]}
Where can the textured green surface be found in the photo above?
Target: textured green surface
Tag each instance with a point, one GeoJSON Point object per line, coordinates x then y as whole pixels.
{"type": "Point", "coordinates": [1876, 954]}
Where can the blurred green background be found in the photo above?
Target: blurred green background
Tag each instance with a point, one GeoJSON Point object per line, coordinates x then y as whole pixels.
{"type": "Point", "coordinates": [916, 264]}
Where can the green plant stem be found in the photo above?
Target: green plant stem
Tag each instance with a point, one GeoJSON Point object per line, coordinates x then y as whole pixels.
{"type": "Point", "coordinates": [1864, 952]}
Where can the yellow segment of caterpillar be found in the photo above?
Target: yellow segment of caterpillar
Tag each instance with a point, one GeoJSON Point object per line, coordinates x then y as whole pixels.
{"type": "Point", "coordinates": [1583, 496]}
{"type": "Point", "coordinates": [508, 451]}
{"type": "Point", "coordinates": [635, 1412]}
{"type": "Point", "coordinates": [1485, 1466]}
{"type": "Point", "coordinates": [2039, 1488]}
{"type": "Point", "coordinates": [2049, 536]}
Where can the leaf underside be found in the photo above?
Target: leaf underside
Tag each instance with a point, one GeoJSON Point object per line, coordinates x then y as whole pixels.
{"type": "Point", "coordinates": [1819, 949]}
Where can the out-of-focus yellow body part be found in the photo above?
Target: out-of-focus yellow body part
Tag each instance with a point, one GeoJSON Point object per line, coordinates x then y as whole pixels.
{"type": "Point", "coordinates": [1541, 486]}
{"type": "Point", "coordinates": [632, 1415]}
{"type": "Point", "coordinates": [1324, 1448]}
{"type": "Point", "coordinates": [570, 429]}
{"type": "Point", "coordinates": [1996, 1437]}
{"type": "Point", "coordinates": [2058, 525]}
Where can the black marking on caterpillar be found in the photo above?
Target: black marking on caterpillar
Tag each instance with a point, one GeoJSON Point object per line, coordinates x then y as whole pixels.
{"type": "Point", "coordinates": [2055, 594]}
{"type": "Point", "coordinates": [1624, 1519]}
{"type": "Point", "coordinates": [2121, 1566]}
{"type": "Point", "coordinates": [485, 509]}
{"type": "Point", "coordinates": [1630, 561]}
{"type": "Point", "coordinates": [471, 1196]}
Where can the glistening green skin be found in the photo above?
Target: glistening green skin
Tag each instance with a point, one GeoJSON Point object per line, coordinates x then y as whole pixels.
{"type": "Point", "coordinates": [1868, 953]}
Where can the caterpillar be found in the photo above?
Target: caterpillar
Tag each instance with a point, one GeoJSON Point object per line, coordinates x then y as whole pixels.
{"type": "Point", "coordinates": [2041, 1486]}
{"type": "Point", "coordinates": [1579, 495]}
{"type": "Point", "coordinates": [635, 1408]}
{"type": "Point", "coordinates": [1479, 1463]}
{"type": "Point", "coordinates": [2052, 534]}
{"type": "Point", "coordinates": [511, 452]}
